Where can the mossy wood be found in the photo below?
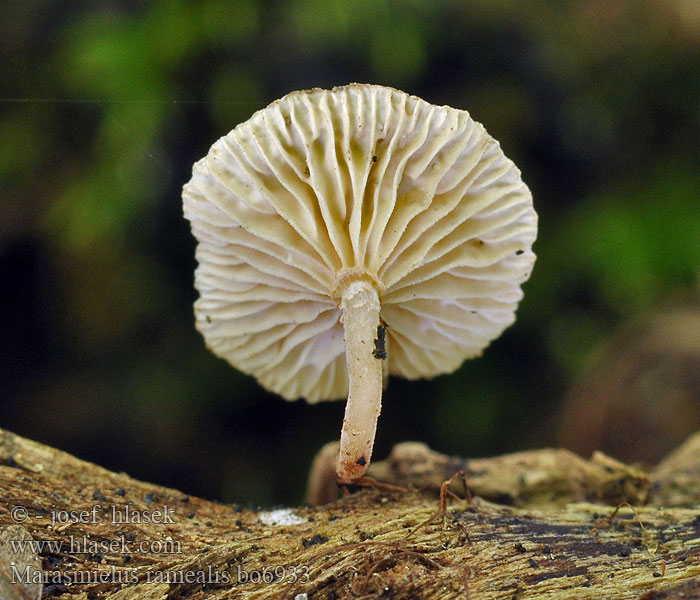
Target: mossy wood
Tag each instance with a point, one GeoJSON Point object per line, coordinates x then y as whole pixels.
{"type": "Point", "coordinates": [542, 524]}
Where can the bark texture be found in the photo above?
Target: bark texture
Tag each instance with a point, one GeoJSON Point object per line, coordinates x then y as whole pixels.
{"type": "Point", "coordinates": [541, 524]}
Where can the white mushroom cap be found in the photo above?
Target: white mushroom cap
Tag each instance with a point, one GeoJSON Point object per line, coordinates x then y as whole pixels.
{"type": "Point", "coordinates": [364, 190]}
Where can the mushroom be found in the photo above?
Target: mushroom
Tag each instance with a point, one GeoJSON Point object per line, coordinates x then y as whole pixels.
{"type": "Point", "coordinates": [348, 234]}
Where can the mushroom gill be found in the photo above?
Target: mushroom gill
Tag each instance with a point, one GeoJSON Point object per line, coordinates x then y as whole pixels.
{"type": "Point", "coordinates": [332, 217]}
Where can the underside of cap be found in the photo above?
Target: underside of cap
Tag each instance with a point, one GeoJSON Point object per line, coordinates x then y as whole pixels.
{"type": "Point", "coordinates": [362, 182]}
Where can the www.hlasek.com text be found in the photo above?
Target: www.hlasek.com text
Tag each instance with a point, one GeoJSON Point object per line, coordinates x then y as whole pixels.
{"type": "Point", "coordinates": [86, 545]}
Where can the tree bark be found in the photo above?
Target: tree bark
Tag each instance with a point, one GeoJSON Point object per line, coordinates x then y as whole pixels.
{"type": "Point", "coordinates": [541, 524]}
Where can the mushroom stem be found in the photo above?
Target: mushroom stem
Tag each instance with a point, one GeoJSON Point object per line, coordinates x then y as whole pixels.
{"type": "Point", "coordinates": [360, 317]}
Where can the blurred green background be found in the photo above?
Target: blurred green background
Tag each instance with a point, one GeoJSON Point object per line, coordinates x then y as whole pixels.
{"type": "Point", "coordinates": [107, 104]}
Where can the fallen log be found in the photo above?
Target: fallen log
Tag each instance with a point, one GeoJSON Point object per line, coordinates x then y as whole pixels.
{"type": "Point", "coordinates": [541, 524]}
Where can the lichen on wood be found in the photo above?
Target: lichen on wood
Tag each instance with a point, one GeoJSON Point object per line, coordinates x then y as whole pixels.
{"type": "Point", "coordinates": [550, 528]}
